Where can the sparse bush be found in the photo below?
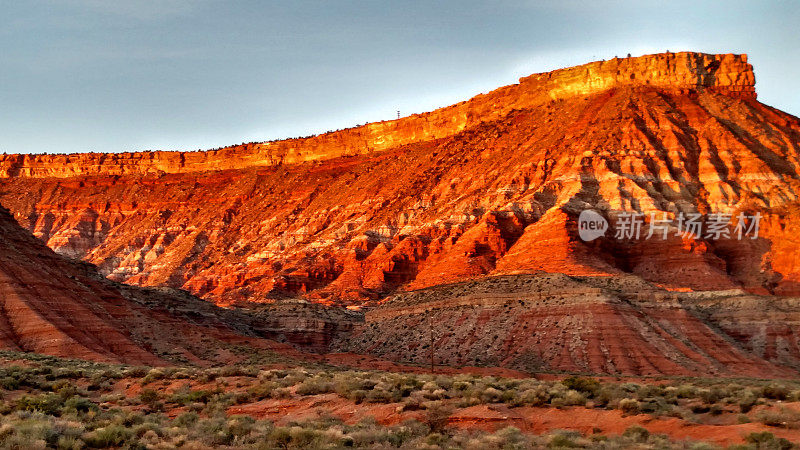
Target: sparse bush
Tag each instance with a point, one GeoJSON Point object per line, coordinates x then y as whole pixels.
{"type": "Point", "coordinates": [153, 375]}
{"type": "Point", "coordinates": [149, 396]}
{"type": "Point", "coordinates": [564, 440]}
{"type": "Point", "coordinates": [45, 403]}
{"type": "Point", "coordinates": [784, 417]}
{"type": "Point", "coordinates": [775, 391]}
{"type": "Point", "coordinates": [587, 386]}
{"type": "Point", "coordinates": [186, 419]}
{"type": "Point", "coordinates": [768, 440]}
{"type": "Point", "coordinates": [629, 406]}
{"type": "Point", "coordinates": [537, 396]}
{"type": "Point", "coordinates": [574, 398]}
{"type": "Point", "coordinates": [637, 433]}
{"type": "Point", "coordinates": [315, 386]}
{"type": "Point", "coordinates": [112, 435]}
{"type": "Point", "coordinates": [491, 395]}
{"type": "Point", "coordinates": [437, 415]}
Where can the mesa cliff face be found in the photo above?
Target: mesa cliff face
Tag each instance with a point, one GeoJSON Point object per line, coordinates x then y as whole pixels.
{"type": "Point", "coordinates": [489, 186]}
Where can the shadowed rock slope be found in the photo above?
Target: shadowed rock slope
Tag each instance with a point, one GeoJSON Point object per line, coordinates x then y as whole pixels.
{"type": "Point", "coordinates": [51, 305]}
{"type": "Point", "coordinates": [489, 186]}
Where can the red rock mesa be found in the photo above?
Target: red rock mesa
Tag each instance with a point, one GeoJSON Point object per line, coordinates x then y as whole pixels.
{"type": "Point", "coordinates": [489, 186]}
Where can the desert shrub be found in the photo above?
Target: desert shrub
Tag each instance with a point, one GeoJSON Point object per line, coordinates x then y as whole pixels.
{"type": "Point", "coordinates": [45, 403]}
{"type": "Point", "coordinates": [314, 386]}
{"type": "Point", "coordinates": [208, 375]}
{"type": "Point", "coordinates": [292, 378]}
{"type": "Point", "coordinates": [537, 396]}
{"type": "Point", "coordinates": [240, 425]}
{"type": "Point", "coordinates": [281, 393]}
{"type": "Point", "coordinates": [152, 430]}
{"type": "Point", "coordinates": [711, 396]}
{"type": "Point", "coordinates": [186, 419]}
{"type": "Point", "coordinates": [239, 371]}
{"type": "Point", "coordinates": [490, 395]}
{"type": "Point", "coordinates": [67, 372]}
{"type": "Point", "coordinates": [655, 406]}
{"type": "Point", "coordinates": [381, 396]}
{"type": "Point", "coordinates": [440, 394]}
{"type": "Point", "coordinates": [262, 390]}
{"type": "Point", "coordinates": [587, 386]}
{"type": "Point", "coordinates": [442, 381]}
{"type": "Point", "coordinates": [305, 438]}
{"type": "Point", "coordinates": [69, 443]}
{"type": "Point", "coordinates": [782, 418]}
{"type": "Point", "coordinates": [191, 396]}
{"type": "Point", "coordinates": [767, 440]}
{"type": "Point", "coordinates": [34, 431]}
{"type": "Point", "coordinates": [461, 386]}
{"type": "Point", "coordinates": [279, 437]}
{"type": "Point", "coordinates": [80, 404]}
{"type": "Point", "coordinates": [182, 374]}
{"type": "Point", "coordinates": [136, 372]}
{"type": "Point", "coordinates": [430, 386]}
{"type": "Point", "coordinates": [9, 383]}
{"type": "Point", "coordinates": [609, 395]}
{"type": "Point", "coordinates": [437, 415]}
{"type": "Point", "coordinates": [149, 396]}
{"type": "Point", "coordinates": [650, 391]}
{"type": "Point", "coordinates": [699, 408]}
{"type": "Point", "coordinates": [775, 391]}
{"type": "Point", "coordinates": [686, 391]}
{"type": "Point", "coordinates": [747, 401]}
{"type": "Point", "coordinates": [637, 433]}
{"type": "Point", "coordinates": [112, 435]}
{"type": "Point", "coordinates": [214, 431]}
{"type": "Point", "coordinates": [629, 406]}
{"type": "Point", "coordinates": [153, 375]}
{"type": "Point", "coordinates": [564, 439]}
{"type": "Point", "coordinates": [272, 374]}
{"type": "Point", "coordinates": [511, 437]}
{"type": "Point", "coordinates": [574, 398]}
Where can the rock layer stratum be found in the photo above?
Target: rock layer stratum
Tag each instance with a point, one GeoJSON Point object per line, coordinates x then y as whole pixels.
{"type": "Point", "coordinates": [583, 324]}
{"type": "Point", "coordinates": [489, 186]}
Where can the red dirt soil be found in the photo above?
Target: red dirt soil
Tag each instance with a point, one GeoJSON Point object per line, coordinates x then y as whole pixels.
{"type": "Point", "coordinates": [495, 417]}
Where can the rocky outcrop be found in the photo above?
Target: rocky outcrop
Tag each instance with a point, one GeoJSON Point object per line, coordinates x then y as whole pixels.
{"type": "Point", "coordinates": [764, 326]}
{"type": "Point", "coordinates": [559, 323]}
{"type": "Point", "coordinates": [307, 325]}
{"type": "Point", "coordinates": [493, 186]}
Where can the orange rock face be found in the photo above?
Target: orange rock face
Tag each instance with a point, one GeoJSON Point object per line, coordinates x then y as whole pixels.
{"type": "Point", "coordinates": [488, 186]}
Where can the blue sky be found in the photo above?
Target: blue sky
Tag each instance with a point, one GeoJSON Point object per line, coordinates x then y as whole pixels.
{"type": "Point", "coordinates": [95, 75]}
